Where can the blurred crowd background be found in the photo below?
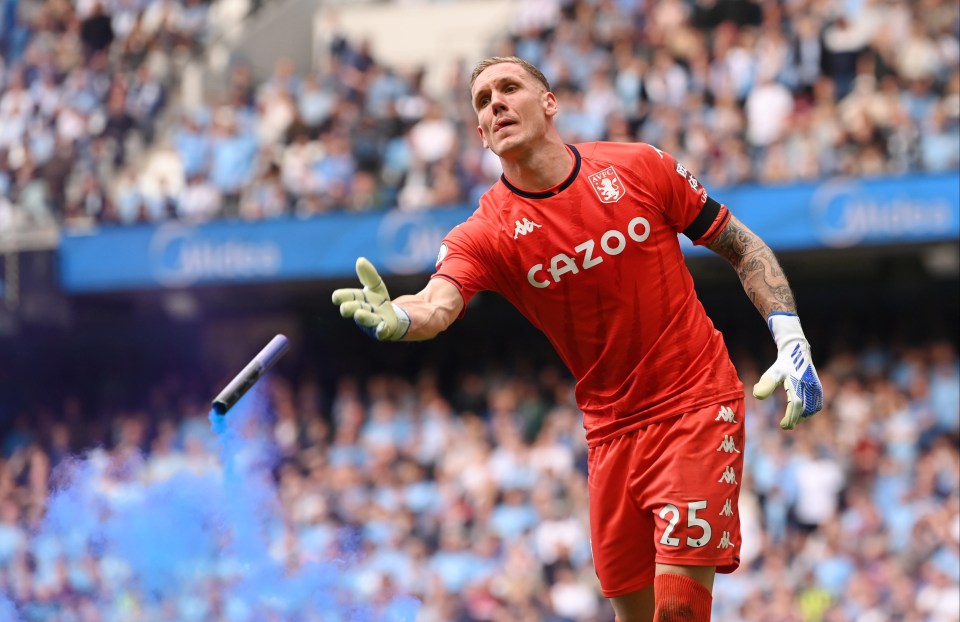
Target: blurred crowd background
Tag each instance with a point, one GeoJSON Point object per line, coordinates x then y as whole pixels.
{"type": "Point", "coordinates": [740, 91]}
{"type": "Point", "coordinates": [461, 480]}
{"type": "Point", "coordinates": [472, 499]}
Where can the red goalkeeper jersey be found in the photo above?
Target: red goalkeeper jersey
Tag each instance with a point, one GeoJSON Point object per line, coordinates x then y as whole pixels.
{"type": "Point", "coordinates": [596, 265]}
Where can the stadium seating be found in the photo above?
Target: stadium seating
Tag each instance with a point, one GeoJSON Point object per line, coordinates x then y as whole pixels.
{"type": "Point", "coordinates": [768, 95]}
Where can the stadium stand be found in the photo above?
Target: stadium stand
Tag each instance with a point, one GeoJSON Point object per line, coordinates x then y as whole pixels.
{"type": "Point", "coordinates": [855, 517]}
{"type": "Point", "coordinates": [761, 93]}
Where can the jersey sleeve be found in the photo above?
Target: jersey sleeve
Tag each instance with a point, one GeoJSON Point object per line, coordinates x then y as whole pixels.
{"type": "Point", "coordinates": [461, 260]}
{"type": "Point", "coordinates": [686, 203]}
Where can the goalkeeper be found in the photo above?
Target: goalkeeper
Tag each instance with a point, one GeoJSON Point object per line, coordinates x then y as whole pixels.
{"type": "Point", "coordinates": [582, 239]}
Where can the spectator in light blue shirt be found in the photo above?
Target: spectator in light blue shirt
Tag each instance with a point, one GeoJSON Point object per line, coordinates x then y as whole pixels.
{"type": "Point", "coordinates": [454, 564]}
{"type": "Point", "coordinates": [939, 141]}
{"type": "Point", "coordinates": [315, 104]}
{"type": "Point", "coordinates": [514, 515]}
{"type": "Point", "coordinates": [234, 155]}
{"type": "Point", "coordinates": [192, 145]}
{"type": "Point", "coordinates": [945, 388]}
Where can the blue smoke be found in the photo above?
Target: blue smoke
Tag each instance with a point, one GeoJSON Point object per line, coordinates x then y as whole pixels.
{"type": "Point", "coordinates": [171, 543]}
{"type": "Point", "coordinates": [8, 611]}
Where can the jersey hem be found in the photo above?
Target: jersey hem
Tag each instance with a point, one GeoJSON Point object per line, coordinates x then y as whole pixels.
{"type": "Point", "coordinates": [636, 586]}
{"type": "Point", "coordinates": [724, 564]}
{"type": "Point", "coordinates": [606, 438]}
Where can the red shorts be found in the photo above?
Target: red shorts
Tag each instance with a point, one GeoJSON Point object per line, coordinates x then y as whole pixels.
{"type": "Point", "coordinates": [667, 493]}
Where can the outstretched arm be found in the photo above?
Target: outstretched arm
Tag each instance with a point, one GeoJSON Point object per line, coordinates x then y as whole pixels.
{"type": "Point", "coordinates": [410, 318]}
{"type": "Point", "coordinates": [766, 286]}
{"type": "Point", "coordinates": [432, 310]}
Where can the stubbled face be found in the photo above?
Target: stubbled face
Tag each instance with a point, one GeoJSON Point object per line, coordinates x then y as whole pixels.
{"type": "Point", "coordinates": [512, 108]}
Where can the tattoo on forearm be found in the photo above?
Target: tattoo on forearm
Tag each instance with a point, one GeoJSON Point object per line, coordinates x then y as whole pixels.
{"type": "Point", "coordinates": [762, 277]}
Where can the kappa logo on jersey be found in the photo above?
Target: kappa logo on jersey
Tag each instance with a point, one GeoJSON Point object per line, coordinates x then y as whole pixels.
{"type": "Point", "coordinates": [608, 185]}
{"type": "Point", "coordinates": [524, 227]}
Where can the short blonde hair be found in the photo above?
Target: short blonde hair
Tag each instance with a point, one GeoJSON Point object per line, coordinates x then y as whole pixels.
{"type": "Point", "coordinates": [516, 60]}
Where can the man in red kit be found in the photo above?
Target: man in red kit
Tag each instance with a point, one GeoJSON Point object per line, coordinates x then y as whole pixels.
{"type": "Point", "coordinates": [583, 240]}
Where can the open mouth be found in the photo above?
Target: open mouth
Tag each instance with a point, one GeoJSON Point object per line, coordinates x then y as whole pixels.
{"type": "Point", "coordinates": [502, 124]}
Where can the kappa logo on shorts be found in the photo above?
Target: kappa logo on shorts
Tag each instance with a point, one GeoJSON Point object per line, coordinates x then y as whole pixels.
{"type": "Point", "coordinates": [728, 445]}
{"type": "Point", "coordinates": [729, 476]}
{"type": "Point", "coordinates": [607, 185]}
{"type": "Point", "coordinates": [727, 508]}
{"type": "Point", "coordinates": [725, 541]}
{"type": "Point", "coordinates": [726, 414]}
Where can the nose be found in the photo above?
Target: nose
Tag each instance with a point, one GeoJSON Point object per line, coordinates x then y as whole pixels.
{"type": "Point", "coordinates": [497, 102]}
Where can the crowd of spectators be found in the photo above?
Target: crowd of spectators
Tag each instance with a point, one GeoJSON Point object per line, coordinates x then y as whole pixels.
{"type": "Point", "coordinates": [472, 500]}
{"type": "Point", "coordinates": [739, 91]}
{"type": "Point", "coordinates": [81, 87]}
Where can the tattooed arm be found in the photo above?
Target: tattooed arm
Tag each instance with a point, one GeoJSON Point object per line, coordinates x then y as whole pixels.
{"type": "Point", "coordinates": [759, 271]}
{"type": "Point", "coordinates": [767, 288]}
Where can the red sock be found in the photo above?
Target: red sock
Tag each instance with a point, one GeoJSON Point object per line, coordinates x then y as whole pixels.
{"type": "Point", "coordinates": [681, 599]}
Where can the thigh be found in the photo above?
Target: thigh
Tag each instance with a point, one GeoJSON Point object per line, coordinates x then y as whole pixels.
{"type": "Point", "coordinates": [621, 532]}
{"type": "Point", "coordinates": [635, 607]}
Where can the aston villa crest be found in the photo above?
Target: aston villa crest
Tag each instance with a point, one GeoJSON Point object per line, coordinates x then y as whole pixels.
{"type": "Point", "coordinates": [608, 186]}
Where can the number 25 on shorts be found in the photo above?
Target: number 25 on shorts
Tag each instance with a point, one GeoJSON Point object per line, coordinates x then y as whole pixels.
{"type": "Point", "coordinates": [671, 513]}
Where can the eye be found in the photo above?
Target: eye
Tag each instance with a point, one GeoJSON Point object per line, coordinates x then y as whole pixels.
{"type": "Point", "coordinates": [483, 101]}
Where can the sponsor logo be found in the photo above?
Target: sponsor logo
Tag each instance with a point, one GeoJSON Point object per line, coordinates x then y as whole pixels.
{"type": "Point", "coordinates": [441, 254]}
{"type": "Point", "coordinates": [607, 185]}
{"type": "Point", "coordinates": [524, 227]}
{"type": "Point", "coordinates": [694, 184]}
{"type": "Point", "coordinates": [846, 213]}
{"type": "Point", "coordinates": [612, 243]}
{"type": "Point", "coordinates": [408, 242]}
{"type": "Point", "coordinates": [181, 256]}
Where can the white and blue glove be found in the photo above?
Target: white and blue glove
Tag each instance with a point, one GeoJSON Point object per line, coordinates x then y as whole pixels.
{"type": "Point", "coordinates": [371, 307]}
{"type": "Point", "coordinates": [793, 370]}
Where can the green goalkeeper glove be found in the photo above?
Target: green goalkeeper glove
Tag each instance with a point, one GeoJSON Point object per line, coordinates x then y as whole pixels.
{"type": "Point", "coordinates": [371, 307]}
{"type": "Point", "coordinates": [793, 369]}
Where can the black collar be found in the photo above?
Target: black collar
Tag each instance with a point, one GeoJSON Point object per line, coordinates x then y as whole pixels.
{"type": "Point", "coordinates": [549, 193]}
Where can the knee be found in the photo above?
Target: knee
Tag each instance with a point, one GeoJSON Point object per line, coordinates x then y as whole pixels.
{"type": "Point", "coordinates": [675, 612]}
{"type": "Point", "coordinates": [681, 599]}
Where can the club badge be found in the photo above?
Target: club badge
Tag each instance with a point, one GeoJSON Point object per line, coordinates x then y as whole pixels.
{"type": "Point", "coordinates": [608, 185]}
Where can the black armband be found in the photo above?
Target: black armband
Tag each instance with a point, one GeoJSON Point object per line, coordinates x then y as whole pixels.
{"type": "Point", "coordinates": [701, 224]}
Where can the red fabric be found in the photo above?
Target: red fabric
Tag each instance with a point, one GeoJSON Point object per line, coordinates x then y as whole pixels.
{"type": "Point", "coordinates": [596, 265]}
{"type": "Point", "coordinates": [681, 599]}
{"type": "Point", "coordinates": [667, 493]}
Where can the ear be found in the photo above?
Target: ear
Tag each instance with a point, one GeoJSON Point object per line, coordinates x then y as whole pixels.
{"type": "Point", "coordinates": [483, 139]}
{"type": "Point", "coordinates": [549, 102]}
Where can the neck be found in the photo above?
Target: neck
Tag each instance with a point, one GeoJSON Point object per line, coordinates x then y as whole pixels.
{"type": "Point", "coordinates": [539, 169]}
